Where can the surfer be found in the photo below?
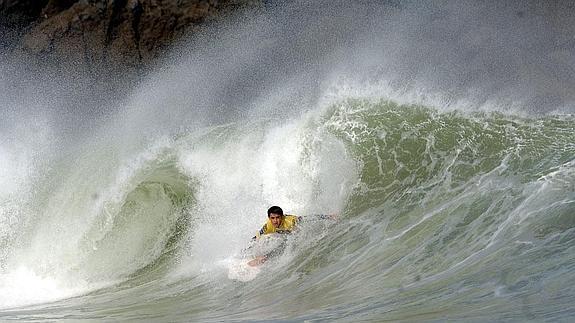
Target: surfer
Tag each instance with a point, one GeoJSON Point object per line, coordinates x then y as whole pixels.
{"type": "Point", "coordinates": [279, 223]}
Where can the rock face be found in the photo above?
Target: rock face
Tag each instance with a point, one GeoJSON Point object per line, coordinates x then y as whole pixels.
{"type": "Point", "coordinates": [90, 35]}
{"type": "Point", "coordinates": [17, 13]}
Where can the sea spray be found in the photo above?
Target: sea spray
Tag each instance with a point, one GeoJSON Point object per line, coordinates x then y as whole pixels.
{"type": "Point", "coordinates": [439, 133]}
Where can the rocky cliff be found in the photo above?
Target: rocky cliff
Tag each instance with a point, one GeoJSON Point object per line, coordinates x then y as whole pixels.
{"type": "Point", "coordinates": [89, 35]}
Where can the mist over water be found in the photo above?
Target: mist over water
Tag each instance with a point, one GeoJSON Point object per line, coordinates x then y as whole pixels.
{"type": "Point", "coordinates": [441, 134]}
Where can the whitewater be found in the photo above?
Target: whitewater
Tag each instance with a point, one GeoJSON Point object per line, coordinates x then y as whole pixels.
{"type": "Point", "coordinates": [441, 134]}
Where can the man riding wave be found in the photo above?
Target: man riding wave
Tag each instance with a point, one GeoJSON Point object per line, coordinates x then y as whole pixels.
{"type": "Point", "coordinates": [278, 223]}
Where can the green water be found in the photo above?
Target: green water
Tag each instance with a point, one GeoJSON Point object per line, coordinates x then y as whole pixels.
{"type": "Point", "coordinates": [442, 215]}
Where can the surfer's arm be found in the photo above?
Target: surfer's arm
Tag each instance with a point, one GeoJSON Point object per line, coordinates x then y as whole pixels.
{"type": "Point", "coordinates": [260, 233]}
{"type": "Point", "coordinates": [316, 217]}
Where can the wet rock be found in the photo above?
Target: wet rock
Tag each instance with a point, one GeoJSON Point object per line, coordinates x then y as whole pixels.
{"type": "Point", "coordinates": [90, 35]}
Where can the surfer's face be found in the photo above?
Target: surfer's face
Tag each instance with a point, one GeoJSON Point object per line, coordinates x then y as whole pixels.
{"type": "Point", "coordinates": [276, 219]}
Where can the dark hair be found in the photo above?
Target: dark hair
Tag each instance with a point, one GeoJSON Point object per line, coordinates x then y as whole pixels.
{"type": "Point", "coordinates": [275, 210]}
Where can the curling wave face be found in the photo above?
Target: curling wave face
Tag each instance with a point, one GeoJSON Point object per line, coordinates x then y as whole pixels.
{"type": "Point", "coordinates": [439, 210]}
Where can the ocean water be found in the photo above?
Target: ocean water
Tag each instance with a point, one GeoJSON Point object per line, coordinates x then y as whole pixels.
{"type": "Point", "coordinates": [442, 136]}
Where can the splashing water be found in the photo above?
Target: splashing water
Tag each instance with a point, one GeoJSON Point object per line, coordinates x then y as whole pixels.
{"type": "Point", "coordinates": [440, 134]}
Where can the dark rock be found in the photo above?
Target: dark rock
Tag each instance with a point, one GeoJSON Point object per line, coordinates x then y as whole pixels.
{"type": "Point", "coordinates": [19, 13]}
{"type": "Point", "coordinates": [101, 35]}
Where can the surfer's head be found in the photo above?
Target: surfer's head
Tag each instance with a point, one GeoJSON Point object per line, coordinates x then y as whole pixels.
{"type": "Point", "coordinates": [275, 214]}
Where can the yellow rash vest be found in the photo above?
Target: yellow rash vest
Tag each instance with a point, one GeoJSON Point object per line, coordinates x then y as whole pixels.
{"type": "Point", "coordinates": [288, 224]}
